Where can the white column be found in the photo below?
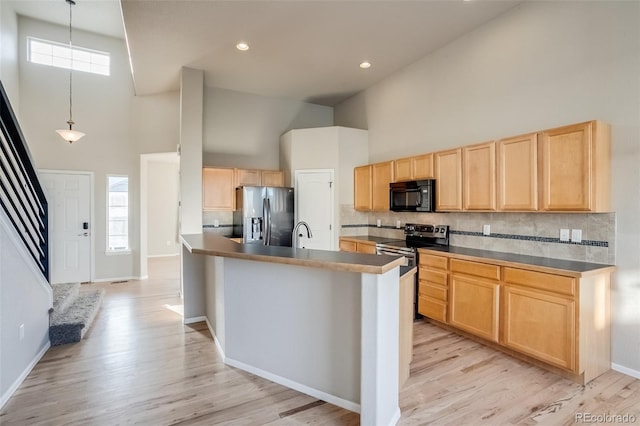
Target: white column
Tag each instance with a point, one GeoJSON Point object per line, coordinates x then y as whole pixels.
{"type": "Point", "coordinates": [379, 351]}
{"type": "Point", "coordinates": [191, 118]}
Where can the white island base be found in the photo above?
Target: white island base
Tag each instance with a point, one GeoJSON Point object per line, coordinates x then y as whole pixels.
{"type": "Point", "coordinates": [329, 333]}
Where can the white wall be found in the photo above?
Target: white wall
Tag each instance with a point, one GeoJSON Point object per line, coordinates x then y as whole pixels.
{"type": "Point", "coordinates": [162, 208]}
{"type": "Point", "coordinates": [25, 298]}
{"type": "Point", "coordinates": [119, 127]}
{"type": "Point", "coordinates": [540, 65]}
{"type": "Point", "coordinates": [9, 53]}
{"type": "Point", "coordinates": [243, 130]}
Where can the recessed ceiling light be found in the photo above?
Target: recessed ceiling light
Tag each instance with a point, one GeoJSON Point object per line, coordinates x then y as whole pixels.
{"type": "Point", "coordinates": [365, 65]}
{"type": "Point", "coordinates": [242, 46]}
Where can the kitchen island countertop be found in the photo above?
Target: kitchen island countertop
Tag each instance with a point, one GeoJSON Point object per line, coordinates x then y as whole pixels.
{"type": "Point", "coordinates": [216, 245]}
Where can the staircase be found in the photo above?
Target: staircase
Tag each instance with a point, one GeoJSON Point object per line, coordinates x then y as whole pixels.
{"type": "Point", "coordinates": [73, 312]}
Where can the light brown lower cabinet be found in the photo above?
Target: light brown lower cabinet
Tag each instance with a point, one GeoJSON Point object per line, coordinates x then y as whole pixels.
{"type": "Point", "coordinates": [357, 246]}
{"type": "Point", "coordinates": [407, 290]}
{"type": "Point", "coordinates": [541, 325]}
{"type": "Point", "coordinates": [557, 319]}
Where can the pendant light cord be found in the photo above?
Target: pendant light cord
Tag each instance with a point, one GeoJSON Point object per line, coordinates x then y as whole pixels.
{"type": "Point", "coordinates": [71, 3]}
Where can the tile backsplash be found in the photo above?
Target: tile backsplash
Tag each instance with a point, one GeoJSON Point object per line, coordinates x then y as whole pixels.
{"type": "Point", "coordinates": [535, 234]}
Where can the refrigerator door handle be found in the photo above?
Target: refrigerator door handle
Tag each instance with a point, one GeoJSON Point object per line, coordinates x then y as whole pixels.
{"type": "Point", "coordinates": [266, 207]}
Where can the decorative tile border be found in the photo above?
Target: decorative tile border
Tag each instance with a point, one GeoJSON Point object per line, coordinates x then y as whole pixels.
{"type": "Point", "coordinates": [591, 243]}
{"type": "Point", "coordinates": [531, 238]}
{"type": "Point", "coordinates": [219, 226]}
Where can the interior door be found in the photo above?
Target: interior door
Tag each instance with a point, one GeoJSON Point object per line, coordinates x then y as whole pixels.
{"type": "Point", "coordinates": [314, 205]}
{"type": "Point", "coordinates": [69, 198]}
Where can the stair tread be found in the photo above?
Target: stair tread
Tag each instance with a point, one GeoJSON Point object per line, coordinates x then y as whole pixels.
{"type": "Point", "coordinates": [63, 295]}
{"type": "Point", "coordinates": [80, 311]}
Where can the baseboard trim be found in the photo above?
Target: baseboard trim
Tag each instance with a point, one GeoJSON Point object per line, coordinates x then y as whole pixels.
{"type": "Point", "coordinates": [155, 256]}
{"type": "Point", "coordinates": [331, 399]}
{"type": "Point", "coordinates": [625, 370]}
{"type": "Point", "coordinates": [14, 387]}
{"type": "Point", "coordinates": [105, 280]}
{"type": "Point", "coordinates": [193, 320]}
{"type": "Point", "coordinates": [216, 341]}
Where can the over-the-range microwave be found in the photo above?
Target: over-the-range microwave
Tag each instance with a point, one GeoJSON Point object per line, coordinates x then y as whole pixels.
{"type": "Point", "coordinates": [413, 196]}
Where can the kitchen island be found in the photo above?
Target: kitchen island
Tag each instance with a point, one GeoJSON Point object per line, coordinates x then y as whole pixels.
{"type": "Point", "coordinates": [321, 322]}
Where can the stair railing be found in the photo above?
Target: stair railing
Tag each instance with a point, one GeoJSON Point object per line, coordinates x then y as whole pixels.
{"type": "Point", "coordinates": [21, 195]}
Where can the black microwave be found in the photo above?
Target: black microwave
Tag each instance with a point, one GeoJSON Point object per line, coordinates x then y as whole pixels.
{"type": "Point", "coordinates": [413, 196]}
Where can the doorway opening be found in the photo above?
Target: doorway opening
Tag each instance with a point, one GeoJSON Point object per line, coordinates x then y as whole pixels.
{"type": "Point", "coordinates": [159, 207]}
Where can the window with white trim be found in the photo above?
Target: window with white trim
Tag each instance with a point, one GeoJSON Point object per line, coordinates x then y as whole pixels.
{"type": "Point", "coordinates": [117, 214]}
{"type": "Point", "coordinates": [60, 55]}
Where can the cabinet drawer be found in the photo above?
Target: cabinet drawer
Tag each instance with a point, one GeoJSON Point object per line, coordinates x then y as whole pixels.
{"type": "Point", "coordinates": [346, 245]}
{"type": "Point", "coordinates": [432, 308]}
{"type": "Point", "coordinates": [437, 262]}
{"type": "Point", "coordinates": [432, 291]}
{"type": "Point", "coordinates": [436, 277]}
{"type": "Point", "coordinates": [540, 280]}
{"type": "Point", "coordinates": [484, 270]}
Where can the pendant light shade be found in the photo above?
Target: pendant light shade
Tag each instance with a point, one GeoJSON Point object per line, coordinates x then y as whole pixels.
{"type": "Point", "coordinates": [70, 135]}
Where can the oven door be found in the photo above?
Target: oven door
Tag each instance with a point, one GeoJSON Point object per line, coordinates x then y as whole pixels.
{"type": "Point", "coordinates": [409, 254]}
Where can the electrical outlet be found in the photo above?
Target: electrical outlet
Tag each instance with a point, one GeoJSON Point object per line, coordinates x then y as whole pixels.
{"type": "Point", "coordinates": [21, 331]}
{"type": "Point", "coordinates": [216, 223]}
{"type": "Point", "coordinates": [378, 223]}
{"type": "Point", "coordinates": [576, 235]}
{"type": "Point", "coordinates": [564, 235]}
{"type": "Point", "coordinates": [486, 230]}
{"type": "Point", "coordinates": [398, 224]}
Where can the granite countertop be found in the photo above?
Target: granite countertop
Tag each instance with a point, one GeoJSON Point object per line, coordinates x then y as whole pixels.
{"type": "Point", "coordinates": [216, 245]}
{"type": "Point", "coordinates": [568, 267]}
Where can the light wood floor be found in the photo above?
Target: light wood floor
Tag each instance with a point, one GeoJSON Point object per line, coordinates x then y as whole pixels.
{"type": "Point", "coordinates": [140, 365]}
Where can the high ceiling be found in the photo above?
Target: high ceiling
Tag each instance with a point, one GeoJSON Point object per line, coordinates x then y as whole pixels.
{"type": "Point", "coordinates": [299, 49]}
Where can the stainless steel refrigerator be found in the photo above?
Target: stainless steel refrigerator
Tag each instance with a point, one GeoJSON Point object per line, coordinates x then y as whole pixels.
{"type": "Point", "coordinates": [264, 215]}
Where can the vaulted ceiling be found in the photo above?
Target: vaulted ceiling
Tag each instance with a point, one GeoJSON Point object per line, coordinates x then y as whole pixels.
{"type": "Point", "coordinates": [299, 49]}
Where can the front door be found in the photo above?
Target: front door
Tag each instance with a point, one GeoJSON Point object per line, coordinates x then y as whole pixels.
{"type": "Point", "coordinates": [69, 198]}
{"type": "Point", "coordinates": [314, 205]}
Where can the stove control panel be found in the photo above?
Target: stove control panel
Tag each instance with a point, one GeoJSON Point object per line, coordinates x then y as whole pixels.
{"type": "Point", "coordinates": [418, 230]}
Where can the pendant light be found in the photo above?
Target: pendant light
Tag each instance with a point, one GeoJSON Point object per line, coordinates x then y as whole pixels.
{"type": "Point", "coordinates": [70, 135]}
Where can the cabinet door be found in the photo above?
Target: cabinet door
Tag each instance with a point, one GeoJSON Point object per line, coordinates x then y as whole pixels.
{"type": "Point", "coordinates": [407, 290]}
{"type": "Point", "coordinates": [540, 325]}
{"type": "Point", "coordinates": [567, 168]}
{"type": "Point", "coordinates": [381, 177]}
{"type": "Point", "coordinates": [518, 173]}
{"type": "Point", "coordinates": [403, 170]}
{"type": "Point", "coordinates": [473, 306]}
{"type": "Point", "coordinates": [362, 188]}
{"type": "Point", "coordinates": [423, 167]}
{"type": "Point", "coordinates": [479, 176]}
{"type": "Point", "coordinates": [218, 190]}
{"type": "Point", "coordinates": [272, 178]}
{"type": "Point", "coordinates": [369, 248]}
{"type": "Point", "coordinates": [448, 171]}
{"type": "Point", "coordinates": [247, 177]}
{"type": "Point", "coordinates": [347, 245]}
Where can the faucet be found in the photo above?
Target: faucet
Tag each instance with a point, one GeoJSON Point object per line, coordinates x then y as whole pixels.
{"type": "Point", "coordinates": [296, 236]}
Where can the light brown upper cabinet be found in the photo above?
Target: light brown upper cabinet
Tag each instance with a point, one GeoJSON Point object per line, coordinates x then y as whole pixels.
{"type": "Point", "coordinates": [518, 173]}
{"type": "Point", "coordinates": [362, 188]}
{"type": "Point", "coordinates": [413, 168]}
{"type": "Point", "coordinates": [381, 177]}
{"type": "Point", "coordinates": [448, 174]}
{"type": "Point", "coordinates": [576, 173]}
{"type": "Point", "coordinates": [218, 190]}
{"type": "Point", "coordinates": [479, 176]}
{"type": "Point", "coordinates": [272, 178]}
{"type": "Point", "coordinates": [244, 177]}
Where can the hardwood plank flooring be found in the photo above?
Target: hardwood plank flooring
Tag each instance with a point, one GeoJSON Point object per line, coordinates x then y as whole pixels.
{"type": "Point", "coordinates": [140, 365]}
